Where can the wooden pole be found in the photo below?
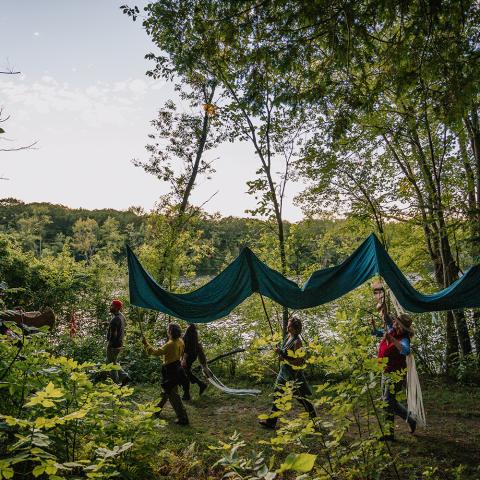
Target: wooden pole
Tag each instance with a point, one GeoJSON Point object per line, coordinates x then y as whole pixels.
{"type": "Point", "coordinates": [266, 313]}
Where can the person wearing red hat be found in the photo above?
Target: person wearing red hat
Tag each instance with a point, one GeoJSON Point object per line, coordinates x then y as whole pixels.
{"type": "Point", "coordinates": [115, 338]}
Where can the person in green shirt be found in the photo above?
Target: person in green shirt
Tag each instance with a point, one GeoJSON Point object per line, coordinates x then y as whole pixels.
{"type": "Point", "coordinates": [173, 374]}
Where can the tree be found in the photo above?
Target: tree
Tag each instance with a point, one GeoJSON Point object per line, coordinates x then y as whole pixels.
{"type": "Point", "coordinates": [177, 156]}
{"type": "Point", "coordinates": [250, 89]}
{"type": "Point", "coordinates": [110, 239]}
{"type": "Point", "coordinates": [31, 230]}
{"type": "Point", "coordinates": [85, 237]}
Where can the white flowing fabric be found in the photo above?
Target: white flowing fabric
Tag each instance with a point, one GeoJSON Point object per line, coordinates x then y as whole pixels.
{"type": "Point", "coordinates": [230, 391]}
{"type": "Point", "coordinates": [414, 393]}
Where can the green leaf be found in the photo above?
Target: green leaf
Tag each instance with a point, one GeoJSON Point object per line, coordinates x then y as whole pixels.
{"type": "Point", "coordinates": [7, 472]}
{"type": "Point", "coordinates": [38, 470]}
{"type": "Point", "coordinates": [302, 462]}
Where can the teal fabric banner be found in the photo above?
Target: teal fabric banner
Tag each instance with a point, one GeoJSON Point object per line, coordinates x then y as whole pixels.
{"type": "Point", "coordinates": [247, 274]}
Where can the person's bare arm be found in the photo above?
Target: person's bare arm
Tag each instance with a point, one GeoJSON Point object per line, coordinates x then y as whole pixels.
{"type": "Point", "coordinates": [158, 352]}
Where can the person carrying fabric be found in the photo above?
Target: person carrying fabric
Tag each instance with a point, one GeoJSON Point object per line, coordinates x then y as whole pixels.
{"type": "Point", "coordinates": [193, 350]}
{"type": "Point", "coordinates": [115, 339]}
{"type": "Point", "coordinates": [394, 346]}
{"type": "Point", "coordinates": [301, 388]}
{"type": "Point", "coordinates": [173, 374]}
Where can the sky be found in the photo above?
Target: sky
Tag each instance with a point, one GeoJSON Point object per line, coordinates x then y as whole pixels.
{"type": "Point", "coordinates": [84, 97]}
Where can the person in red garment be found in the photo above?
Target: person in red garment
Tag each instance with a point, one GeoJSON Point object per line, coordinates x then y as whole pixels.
{"type": "Point", "coordinates": [394, 346]}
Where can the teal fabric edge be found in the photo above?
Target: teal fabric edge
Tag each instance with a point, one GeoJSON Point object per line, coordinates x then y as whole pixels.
{"type": "Point", "coordinates": [247, 274]}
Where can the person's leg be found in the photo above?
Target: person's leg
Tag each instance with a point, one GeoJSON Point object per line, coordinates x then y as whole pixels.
{"type": "Point", "coordinates": [166, 387]}
{"type": "Point", "coordinates": [186, 384]}
{"type": "Point", "coordinates": [122, 375]}
{"type": "Point", "coordinates": [112, 355]}
{"type": "Point", "coordinates": [161, 403]}
{"type": "Point", "coordinates": [163, 399]}
{"type": "Point", "coordinates": [389, 398]}
{"type": "Point", "coordinates": [399, 409]}
{"type": "Point", "coordinates": [194, 379]}
{"type": "Point", "coordinates": [308, 406]}
{"type": "Point", "coordinates": [301, 392]}
{"type": "Point", "coordinates": [178, 406]}
{"type": "Point", "coordinates": [277, 393]}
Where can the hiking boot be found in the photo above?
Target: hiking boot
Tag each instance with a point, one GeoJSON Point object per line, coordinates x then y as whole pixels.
{"type": "Point", "coordinates": [413, 425]}
{"type": "Point", "coordinates": [267, 425]}
{"type": "Point", "coordinates": [183, 422]}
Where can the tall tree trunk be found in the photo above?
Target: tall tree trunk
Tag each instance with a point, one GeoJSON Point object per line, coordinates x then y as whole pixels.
{"type": "Point", "coordinates": [450, 273]}
{"type": "Point", "coordinates": [280, 233]}
{"type": "Point", "coordinates": [181, 220]}
{"type": "Point", "coordinates": [476, 330]}
{"type": "Point", "coordinates": [451, 351]}
{"type": "Point", "coordinates": [431, 170]}
{"type": "Point", "coordinates": [472, 170]}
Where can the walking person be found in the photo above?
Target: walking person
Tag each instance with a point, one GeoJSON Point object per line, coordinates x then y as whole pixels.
{"type": "Point", "coordinates": [301, 389]}
{"type": "Point", "coordinates": [394, 346]}
{"type": "Point", "coordinates": [173, 374]}
{"type": "Point", "coordinates": [193, 350]}
{"type": "Point", "coordinates": [115, 339]}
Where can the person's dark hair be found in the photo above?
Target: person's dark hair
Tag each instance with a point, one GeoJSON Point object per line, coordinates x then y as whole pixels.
{"type": "Point", "coordinates": [191, 334]}
{"type": "Point", "coordinates": [174, 330]}
{"type": "Point", "coordinates": [296, 324]}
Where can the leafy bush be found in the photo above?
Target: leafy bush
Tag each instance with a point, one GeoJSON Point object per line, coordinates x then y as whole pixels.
{"type": "Point", "coordinates": [468, 369]}
{"type": "Point", "coordinates": [90, 348]}
{"type": "Point", "coordinates": [57, 422]}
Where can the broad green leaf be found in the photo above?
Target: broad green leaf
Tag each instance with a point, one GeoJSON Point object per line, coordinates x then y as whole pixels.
{"type": "Point", "coordinates": [302, 463]}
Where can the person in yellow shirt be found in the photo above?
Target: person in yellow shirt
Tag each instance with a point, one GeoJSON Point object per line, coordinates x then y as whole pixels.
{"type": "Point", "coordinates": [173, 374]}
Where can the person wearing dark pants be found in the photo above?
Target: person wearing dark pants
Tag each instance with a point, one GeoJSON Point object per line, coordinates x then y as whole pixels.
{"type": "Point", "coordinates": [115, 339]}
{"type": "Point", "coordinates": [193, 350]}
{"type": "Point", "coordinates": [173, 374]}
{"type": "Point", "coordinates": [301, 388]}
{"type": "Point", "coordinates": [394, 407]}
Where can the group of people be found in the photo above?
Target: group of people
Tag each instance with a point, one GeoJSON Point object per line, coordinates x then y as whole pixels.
{"type": "Point", "coordinates": [180, 353]}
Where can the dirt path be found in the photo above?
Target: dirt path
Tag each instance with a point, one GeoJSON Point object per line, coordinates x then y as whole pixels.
{"type": "Point", "coordinates": [451, 438]}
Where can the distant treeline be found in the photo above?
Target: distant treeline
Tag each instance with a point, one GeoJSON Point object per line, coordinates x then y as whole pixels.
{"type": "Point", "coordinates": [62, 219]}
{"type": "Point", "coordinates": [43, 227]}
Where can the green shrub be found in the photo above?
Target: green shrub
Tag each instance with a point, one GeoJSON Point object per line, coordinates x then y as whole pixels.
{"type": "Point", "coordinates": [57, 422]}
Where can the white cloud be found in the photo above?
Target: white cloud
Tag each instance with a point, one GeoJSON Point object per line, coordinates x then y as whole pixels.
{"type": "Point", "coordinates": [102, 103]}
{"type": "Point", "coordinates": [137, 86]}
{"type": "Point", "coordinates": [36, 34]}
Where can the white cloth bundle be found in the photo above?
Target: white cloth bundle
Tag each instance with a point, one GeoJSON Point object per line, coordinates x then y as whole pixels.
{"type": "Point", "coordinates": [231, 391]}
{"type": "Point", "coordinates": [414, 393]}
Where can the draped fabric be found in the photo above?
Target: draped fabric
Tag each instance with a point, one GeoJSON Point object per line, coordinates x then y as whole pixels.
{"type": "Point", "coordinates": [247, 274]}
